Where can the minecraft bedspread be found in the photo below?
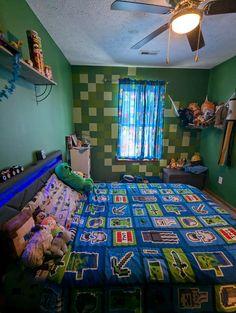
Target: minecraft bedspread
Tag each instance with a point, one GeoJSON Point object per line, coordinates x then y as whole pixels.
{"type": "Point", "coordinates": [151, 248]}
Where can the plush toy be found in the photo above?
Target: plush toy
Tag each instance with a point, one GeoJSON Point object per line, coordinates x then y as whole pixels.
{"type": "Point", "coordinates": [58, 246]}
{"type": "Point", "coordinates": [172, 164]}
{"type": "Point", "coordinates": [38, 246]}
{"type": "Point", "coordinates": [195, 109]}
{"type": "Point", "coordinates": [220, 116]}
{"type": "Point", "coordinates": [186, 116]}
{"type": "Point", "coordinates": [180, 163]}
{"type": "Point", "coordinates": [196, 159]}
{"type": "Point", "coordinates": [70, 178]}
{"type": "Point", "coordinates": [49, 222]}
{"type": "Point", "coordinates": [207, 109]}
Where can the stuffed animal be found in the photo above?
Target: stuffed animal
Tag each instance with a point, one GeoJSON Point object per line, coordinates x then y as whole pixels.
{"type": "Point", "coordinates": [38, 246]}
{"type": "Point", "coordinates": [186, 116]}
{"type": "Point", "coordinates": [58, 246]}
{"type": "Point", "coordinates": [47, 221]}
{"type": "Point", "coordinates": [195, 109]}
{"type": "Point", "coordinates": [207, 109]}
{"type": "Point", "coordinates": [70, 178]}
{"type": "Point", "coordinates": [172, 164]}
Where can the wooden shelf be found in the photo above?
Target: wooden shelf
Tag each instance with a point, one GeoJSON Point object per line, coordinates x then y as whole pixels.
{"type": "Point", "coordinates": [26, 71]}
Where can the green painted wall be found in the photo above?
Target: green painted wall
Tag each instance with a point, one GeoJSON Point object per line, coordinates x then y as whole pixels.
{"type": "Point", "coordinates": [26, 126]}
{"type": "Point", "coordinates": [95, 115]}
{"type": "Point", "coordinates": [222, 83]}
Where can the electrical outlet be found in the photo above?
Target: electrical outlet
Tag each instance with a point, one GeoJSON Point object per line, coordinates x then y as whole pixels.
{"type": "Point", "coordinates": [220, 180]}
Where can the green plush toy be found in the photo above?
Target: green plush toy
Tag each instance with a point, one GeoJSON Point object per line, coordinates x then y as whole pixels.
{"type": "Point", "coordinates": [75, 181]}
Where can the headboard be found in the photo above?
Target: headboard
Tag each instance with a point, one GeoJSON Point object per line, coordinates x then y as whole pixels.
{"type": "Point", "coordinates": [19, 190]}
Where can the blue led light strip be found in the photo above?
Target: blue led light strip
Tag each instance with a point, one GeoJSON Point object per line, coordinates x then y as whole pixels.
{"type": "Point", "coordinates": [9, 193]}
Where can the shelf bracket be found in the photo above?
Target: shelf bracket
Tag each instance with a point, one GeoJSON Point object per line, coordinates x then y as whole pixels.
{"type": "Point", "coordinates": [43, 95]}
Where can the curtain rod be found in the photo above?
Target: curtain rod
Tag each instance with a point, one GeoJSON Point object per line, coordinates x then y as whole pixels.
{"type": "Point", "coordinates": [107, 80]}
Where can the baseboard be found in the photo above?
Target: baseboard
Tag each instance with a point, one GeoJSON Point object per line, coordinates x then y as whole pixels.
{"type": "Point", "coordinates": [219, 199]}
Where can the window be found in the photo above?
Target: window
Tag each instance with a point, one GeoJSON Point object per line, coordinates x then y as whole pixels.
{"type": "Point", "coordinates": [140, 113]}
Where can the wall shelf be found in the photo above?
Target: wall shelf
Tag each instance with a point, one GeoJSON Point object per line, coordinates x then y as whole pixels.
{"type": "Point", "coordinates": [26, 71]}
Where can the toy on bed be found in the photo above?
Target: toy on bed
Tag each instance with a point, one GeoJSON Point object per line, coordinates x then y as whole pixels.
{"type": "Point", "coordinates": [38, 246]}
{"type": "Point", "coordinates": [47, 221]}
{"type": "Point", "coordinates": [70, 178]}
{"type": "Point", "coordinates": [59, 243]}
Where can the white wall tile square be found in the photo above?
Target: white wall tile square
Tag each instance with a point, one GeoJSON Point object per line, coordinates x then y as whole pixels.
{"type": "Point", "coordinates": [165, 142]}
{"type": "Point", "coordinates": [142, 168]}
{"type": "Point", "coordinates": [108, 162]}
{"type": "Point", "coordinates": [93, 126]}
{"type": "Point", "coordinates": [173, 128]}
{"type": "Point", "coordinates": [171, 149]}
{"type": "Point", "coordinates": [84, 95]}
{"type": "Point", "coordinates": [132, 71]}
{"type": "Point", "coordinates": [77, 118]}
{"type": "Point", "coordinates": [99, 78]}
{"type": "Point", "coordinates": [107, 148]}
{"type": "Point", "coordinates": [107, 95]}
{"type": "Point", "coordinates": [92, 111]}
{"type": "Point", "coordinates": [83, 78]}
{"type": "Point", "coordinates": [163, 163]}
{"type": "Point", "coordinates": [94, 141]}
{"type": "Point", "coordinates": [118, 168]}
{"type": "Point", "coordinates": [110, 112]}
{"type": "Point", "coordinates": [114, 131]}
{"type": "Point", "coordinates": [186, 139]}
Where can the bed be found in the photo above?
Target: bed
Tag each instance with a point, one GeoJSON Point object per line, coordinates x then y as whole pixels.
{"type": "Point", "coordinates": [151, 247]}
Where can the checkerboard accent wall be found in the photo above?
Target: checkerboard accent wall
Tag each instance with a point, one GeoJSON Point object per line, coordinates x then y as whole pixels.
{"type": "Point", "coordinates": [95, 114]}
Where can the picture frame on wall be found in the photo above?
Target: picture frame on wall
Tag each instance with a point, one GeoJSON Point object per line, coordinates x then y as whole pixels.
{"type": "Point", "coordinates": [74, 140]}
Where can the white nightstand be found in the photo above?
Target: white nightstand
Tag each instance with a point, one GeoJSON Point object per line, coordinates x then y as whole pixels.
{"type": "Point", "coordinates": [80, 160]}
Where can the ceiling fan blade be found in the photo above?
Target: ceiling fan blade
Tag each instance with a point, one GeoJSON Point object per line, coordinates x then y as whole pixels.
{"type": "Point", "coordinates": [151, 36]}
{"type": "Point", "coordinates": [220, 7]}
{"type": "Point", "coordinates": [140, 7]}
{"type": "Point", "coordinates": [193, 39]}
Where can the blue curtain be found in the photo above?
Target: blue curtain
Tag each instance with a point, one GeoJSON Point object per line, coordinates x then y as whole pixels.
{"type": "Point", "coordinates": [140, 111]}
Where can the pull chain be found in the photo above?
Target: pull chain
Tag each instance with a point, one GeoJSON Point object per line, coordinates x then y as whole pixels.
{"type": "Point", "coordinates": [168, 47]}
{"type": "Point", "coordinates": [198, 41]}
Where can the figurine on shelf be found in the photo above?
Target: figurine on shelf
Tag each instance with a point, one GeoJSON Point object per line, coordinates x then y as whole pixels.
{"type": "Point", "coordinates": [35, 49]}
{"type": "Point", "coordinates": [48, 71]}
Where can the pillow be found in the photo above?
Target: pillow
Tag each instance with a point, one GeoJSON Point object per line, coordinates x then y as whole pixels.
{"type": "Point", "coordinates": [17, 230]}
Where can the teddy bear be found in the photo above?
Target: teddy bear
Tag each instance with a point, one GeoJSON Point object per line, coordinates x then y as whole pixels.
{"type": "Point", "coordinates": [70, 178]}
{"type": "Point", "coordinates": [59, 243]}
{"type": "Point", "coordinates": [38, 246]}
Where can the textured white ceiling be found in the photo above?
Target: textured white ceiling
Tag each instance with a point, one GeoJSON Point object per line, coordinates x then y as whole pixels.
{"type": "Point", "coordinates": [88, 32]}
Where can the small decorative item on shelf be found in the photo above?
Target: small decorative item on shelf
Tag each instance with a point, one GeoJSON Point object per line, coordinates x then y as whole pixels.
{"type": "Point", "coordinates": [35, 49]}
{"type": "Point", "coordinates": [48, 71]}
{"type": "Point", "coordinates": [29, 62]}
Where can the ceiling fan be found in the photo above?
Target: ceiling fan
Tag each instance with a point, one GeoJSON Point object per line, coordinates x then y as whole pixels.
{"type": "Point", "coordinates": [186, 16]}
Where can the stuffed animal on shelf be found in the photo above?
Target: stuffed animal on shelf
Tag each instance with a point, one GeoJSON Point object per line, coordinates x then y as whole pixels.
{"type": "Point", "coordinates": [172, 164]}
{"type": "Point", "coordinates": [70, 178]}
{"type": "Point", "coordinates": [180, 163]}
{"type": "Point", "coordinates": [38, 246]}
{"type": "Point", "coordinates": [59, 243]}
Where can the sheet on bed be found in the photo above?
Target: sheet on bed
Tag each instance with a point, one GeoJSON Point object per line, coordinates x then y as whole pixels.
{"type": "Point", "coordinates": [57, 199]}
{"type": "Point", "coordinates": [172, 243]}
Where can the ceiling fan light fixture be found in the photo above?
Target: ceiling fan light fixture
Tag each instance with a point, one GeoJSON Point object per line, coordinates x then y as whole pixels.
{"type": "Point", "coordinates": [185, 21]}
